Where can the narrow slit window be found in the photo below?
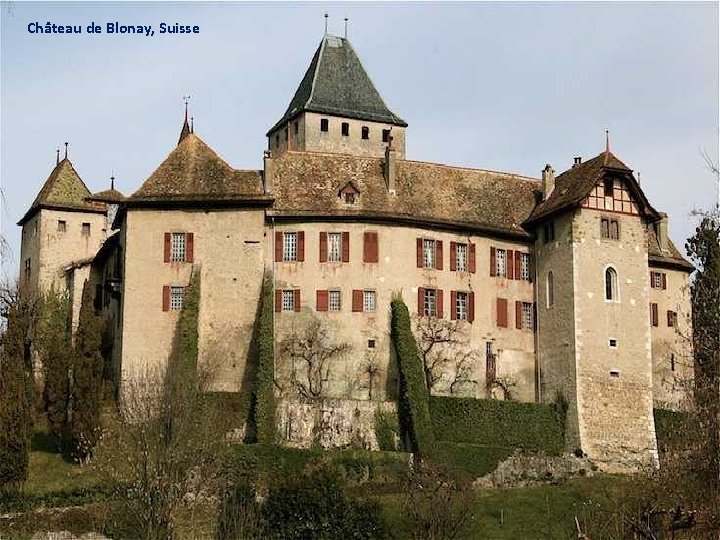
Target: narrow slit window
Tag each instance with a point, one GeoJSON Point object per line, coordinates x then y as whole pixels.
{"type": "Point", "coordinates": [345, 129]}
{"type": "Point", "coordinates": [324, 124]}
{"type": "Point", "coordinates": [365, 133]}
{"type": "Point", "coordinates": [611, 284]}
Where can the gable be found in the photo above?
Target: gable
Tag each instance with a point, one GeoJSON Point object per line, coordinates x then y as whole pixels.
{"type": "Point", "coordinates": [611, 194]}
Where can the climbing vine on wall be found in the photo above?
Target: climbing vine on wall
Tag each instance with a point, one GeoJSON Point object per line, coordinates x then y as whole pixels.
{"type": "Point", "coordinates": [263, 405]}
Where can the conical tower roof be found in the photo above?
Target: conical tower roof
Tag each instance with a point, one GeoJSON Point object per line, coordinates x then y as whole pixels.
{"type": "Point", "coordinates": [336, 83]}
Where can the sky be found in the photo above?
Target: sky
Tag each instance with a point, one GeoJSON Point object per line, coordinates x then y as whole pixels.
{"type": "Point", "coordinates": [506, 86]}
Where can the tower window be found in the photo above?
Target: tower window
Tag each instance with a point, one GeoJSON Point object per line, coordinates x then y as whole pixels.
{"type": "Point", "coordinates": [85, 229]}
{"type": "Point", "coordinates": [295, 128]}
{"type": "Point", "coordinates": [62, 225]}
{"type": "Point", "coordinates": [365, 132]}
{"type": "Point", "coordinates": [611, 284]}
{"type": "Point", "coordinates": [324, 124]}
{"type": "Point", "coordinates": [277, 141]}
{"type": "Point", "coordinates": [608, 187]}
{"type": "Point", "coordinates": [549, 232]}
{"type": "Point", "coordinates": [286, 134]}
{"type": "Point", "coordinates": [345, 129]}
{"type": "Point", "coordinates": [550, 290]}
{"type": "Point", "coordinates": [672, 362]}
{"type": "Point", "coordinates": [385, 135]}
{"type": "Point", "coordinates": [609, 228]}
{"type": "Point", "coordinates": [28, 270]}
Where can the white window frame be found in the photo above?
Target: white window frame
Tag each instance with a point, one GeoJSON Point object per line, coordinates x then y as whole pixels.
{"type": "Point", "coordinates": [177, 297]}
{"type": "Point", "coordinates": [178, 247]}
{"type": "Point", "coordinates": [288, 300]}
{"type": "Point", "coordinates": [290, 246]}
{"type": "Point", "coordinates": [334, 240]}
{"type": "Point", "coordinates": [500, 262]}
{"type": "Point", "coordinates": [461, 306]}
{"type": "Point", "coordinates": [525, 266]}
{"type": "Point", "coordinates": [526, 312]}
{"type": "Point", "coordinates": [429, 251]}
{"type": "Point", "coordinates": [657, 280]}
{"type": "Point", "coordinates": [461, 258]}
{"type": "Point", "coordinates": [334, 300]}
{"type": "Point", "coordinates": [369, 301]}
{"type": "Point", "coordinates": [430, 303]}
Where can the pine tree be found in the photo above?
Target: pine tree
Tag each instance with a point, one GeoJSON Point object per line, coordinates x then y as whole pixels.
{"type": "Point", "coordinates": [87, 371]}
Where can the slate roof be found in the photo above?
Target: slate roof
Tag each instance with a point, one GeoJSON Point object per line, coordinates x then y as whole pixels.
{"type": "Point", "coordinates": [336, 83]}
{"type": "Point", "coordinates": [194, 172]}
{"type": "Point", "coordinates": [669, 257]}
{"type": "Point", "coordinates": [573, 185]}
{"type": "Point", "coordinates": [112, 196]}
{"type": "Point", "coordinates": [63, 189]}
{"type": "Point", "coordinates": [306, 184]}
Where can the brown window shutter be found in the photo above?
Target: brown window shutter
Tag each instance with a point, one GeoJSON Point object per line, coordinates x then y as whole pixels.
{"type": "Point", "coordinates": [509, 264]}
{"type": "Point", "coordinates": [370, 247]}
{"type": "Point", "coordinates": [471, 306]}
{"type": "Point", "coordinates": [346, 247]}
{"type": "Point", "coordinates": [278, 247]}
{"type": "Point", "coordinates": [189, 247]}
{"type": "Point", "coordinates": [453, 258]}
{"type": "Point", "coordinates": [421, 301]}
{"type": "Point", "coordinates": [471, 258]}
{"type": "Point", "coordinates": [419, 250]}
{"type": "Point", "coordinates": [502, 312]}
{"type": "Point", "coordinates": [322, 300]}
{"type": "Point", "coordinates": [168, 243]}
{"type": "Point", "coordinates": [669, 319]}
{"type": "Point", "coordinates": [439, 304]}
{"type": "Point", "coordinates": [493, 262]}
{"type": "Point", "coordinates": [301, 246]}
{"type": "Point", "coordinates": [654, 313]}
{"type": "Point", "coordinates": [453, 302]}
{"type": "Point", "coordinates": [323, 247]}
{"type": "Point", "coordinates": [357, 300]}
{"type": "Point", "coordinates": [664, 280]}
{"type": "Point", "coordinates": [518, 265]}
{"type": "Point", "coordinates": [652, 274]}
{"type": "Point", "coordinates": [166, 297]}
{"type": "Point", "coordinates": [278, 301]}
{"type": "Point", "coordinates": [297, 299]}
{"type": "Point", "coordinates": [439, 255]}
{"type": "Point", "coordinates": [518, 315]}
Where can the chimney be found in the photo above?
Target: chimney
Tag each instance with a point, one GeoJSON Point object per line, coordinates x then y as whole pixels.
{"type": "Point", "coordinates": [661, 230]}
{"type": "Point", "coordinates": [548, 181]}
{"type": "Point", "coordinates": [577, 161]}
{"type": "Point", "coordinates": [268, 172]}
{"type": "Point", "coordinates": [390, 168]}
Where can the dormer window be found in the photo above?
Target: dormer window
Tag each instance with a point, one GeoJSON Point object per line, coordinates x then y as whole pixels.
{"type": "Point", "coordinates": [365, 132]}
{"type": "Point", "coordinates": [345, 129]}
{"type": "Point", "coordinates": [349, 193]}
{"type": "Point", "coordinates": [349, 198]}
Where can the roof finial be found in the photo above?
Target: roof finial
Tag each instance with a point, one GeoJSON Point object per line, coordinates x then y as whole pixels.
{"type": "Point", "coordinates": [57, 156]}
{"type": "Point", "coordinates": [192, 124]}
{"type": "Point", "coordinates": [326, 22]}
{"type": "Point", "coordinates": [185, 99]}
{"type": "Point", "coordinates": [112, 180]}
{"type": "Point", "coordinates": [346, 24]}
{"type": "Point", "coordinates": [66, 149]}
{"type": "Point", "coordinates": [638, 177]}
{"type": "Point", "coordinates": [607, 146]}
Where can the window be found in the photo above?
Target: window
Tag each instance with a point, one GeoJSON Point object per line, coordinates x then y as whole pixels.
{"type": "Point", "coordinates": [85, 229]}
{"type": "Point", "coordinates": [177, 250]}
{"type": "Point", "coordinates": [334, 247]}
{"type": "Point", "coordinates": [429, 303]}
{"type": "Point", "coordinates": [461, 306]}
{"type": "Point", "coordinates": [654, 314]}
{"type": "Point", "coordinates": [345, 129]}
{"type": "Point", "coordinates": [609, 229]}
{"type": "Point", "coordinates": [365, 132]}
{"type": "Point", "coordinates": [550, 290]}
{"type": "Point", "coordinates": [549, 232]}
{"type": "Point", "coordinates": [349, 197]}
{"type": "Point", "coordinates": [286, 134]}
{"type": "Point", "coordinates": [524, 266]}
{"type": "Point", "coordinates": [658, 280]}
{"type": "Point", "coordinates": [500, 263]}
{"type": "Point", "coordinates": [62, 225]}
{"type": "Point", "coordinates": [461, 251]}
{"type": "Point", "coordinates": [289, 246]}
{"type": "Point", "coordinates": [671, 319]}
{"type": "Point", "coordinates": [288, 300]}
{"type": "Point", "coordinates": [277, 141]}
{"type": "Point", "coordinates": [428, 253]}
{"type": "Point", "coordinates": [27, 269]}
{"type": "Point", "coordinates": [295, 128]}
{"type": "Point", "coordinates": [527, 315]}
{"type": "Point", "coordinates": [612, 343]}
{"type": "Point", "coordinates": [371, 343]}
{"type": "Point", "coordinates": [608, 187]}
{"type": "Point", "coordinates": [385, 135]}
{"type": "Point", "coordinates": [611, 284]}
{"type": "Point", "coordinates": [334, 300]}
{"type": "Point", "coordinates": [176, 297]}
{"type": "Point", "coordinates": [324, 124]}
{"type": "Point", "coordinates": [35, 228]}
{"type": "Point", "coordinates": [672, 362]}
{"type": "Point", "coordinates": [369, 300]}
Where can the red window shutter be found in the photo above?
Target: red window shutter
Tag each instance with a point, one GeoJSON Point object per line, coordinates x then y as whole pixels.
{"type": "Point", "coordinates": [297, 299]}
{"type": "Point", "coordinates": [518, 265]}
{"type": "Point", "coordinates": [439, 304]}
{"type": "Point", "coordinates": [346, 247]}
{"type": "Point", "coordinates": [518, 315]}
{"type": "Point", "coordinates": [166, 298]}
{"type": "Point", "coordinates": [357, 300]}
{"type": "Point", "coordinates": [471, 306]}
{"type": "Point", "coordinates": [652, 274]}
{"type": "Point", "coordinates": [453, 258]}
{"type": "Point", "coordinates": [278, 247]}
{"type": "Point", "coordinates": [323, 247]}
{"type": "Point", "coordinates": [509, 264]}
{"type": "Point", "coordinates": [189, 247]}
{"type": "Point", "coordinates": [322, 301]}
{"type": "Point", "coordinates": [471, 258]}
{"type": "Point", "coordinates": [439, 254]}
{"type": "Point", "coordinates": [300, 248]}
{"type": "Point", "coordinates": [278, 301]}
{"type": "Point", "coordinates": [453, 304]}
{"type": "Point", "coordinates": [370, 247]}
{"type": "Point", "coordinates": [493, 262]}
{"type": "Point", "coordinates": [419, 245]}
{"type": "Point", "coordinates": [654, 313]}
{"type": "Point", "coordinates": [502, 312]}
{"type": "Point", "coordinates": [168, 243]}
{"type": "Point", "coordinates": [421, 301]}
{"type": "Point", "coordinates": [664, 280]}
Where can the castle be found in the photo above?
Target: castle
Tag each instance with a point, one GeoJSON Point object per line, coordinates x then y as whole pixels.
{"type": "Point", "coordinates": [566, 284]}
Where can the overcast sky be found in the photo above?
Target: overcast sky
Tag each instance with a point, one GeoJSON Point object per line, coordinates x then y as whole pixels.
{"type": "Point", "coordinates": [500, 86]}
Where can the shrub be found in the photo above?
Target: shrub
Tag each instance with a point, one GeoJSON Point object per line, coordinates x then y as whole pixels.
{"type": "Point", "coordinates": [386, 430]}
{"type": "Point", "coordinates": [263, 402]}
{"type": "Point", "coordinates": [472, 459]}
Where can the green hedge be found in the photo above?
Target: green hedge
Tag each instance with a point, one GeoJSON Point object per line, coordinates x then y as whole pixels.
{"type": "Point", "coordinates": [413, 407]}
{"type": "Point", "coordinates": [263, 402]}
{"type": "Point", "coordinates": [667, 425]}
{"type": "Point", "coordinates": [532, 426]}
{"type": "Point", "coordinates": [473, 459]}
{"type": "Point", "coordinates": [387, 430]}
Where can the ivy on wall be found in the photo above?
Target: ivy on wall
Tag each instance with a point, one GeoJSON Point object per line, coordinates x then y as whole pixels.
{"type": "Point", "coordinates": [413, 408]}
{"type": "Point", "coordinates": [263, 402]}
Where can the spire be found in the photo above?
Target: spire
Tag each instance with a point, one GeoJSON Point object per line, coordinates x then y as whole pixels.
{"type": "Point", "coordinates": [185, 131]}
{"type": "Point", "coordinates": [607, 146]}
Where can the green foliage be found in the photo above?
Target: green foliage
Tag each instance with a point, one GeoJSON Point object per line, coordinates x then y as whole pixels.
{"type": "Point", "coordinates": [668, 424]}
{"type": "Point", "coordinates": [87, 374]}
{"type": "Point", "coordinates": [533, 426]}
{"type": "Point", "coordinates": [475, 460]}
{"type": "Point", "coordinates": [387, 430]}
{"type": "Point", "coordinates": [15, 403]}
{"type": "Point", "coordinates": [263, 402]}
{"type": "Point", "coordinates": [413, 406]}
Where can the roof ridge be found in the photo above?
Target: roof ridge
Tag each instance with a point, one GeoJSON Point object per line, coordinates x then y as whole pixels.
{"type": "Point", "coordinates": [477, 169]}
{"type": "Point", "coordinates": [317, 64]}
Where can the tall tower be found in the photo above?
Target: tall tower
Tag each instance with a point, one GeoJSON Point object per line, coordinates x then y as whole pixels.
{"type": "Point", "coordinates": [337, 109]}
{"type": "Point", "coordinates": [594, 343]}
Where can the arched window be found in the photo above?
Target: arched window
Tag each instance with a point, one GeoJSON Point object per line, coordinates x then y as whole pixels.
{"type": "Point", "coordinates": [550, 290]}
{"type": "Point", "coordinates": [611, 284]}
